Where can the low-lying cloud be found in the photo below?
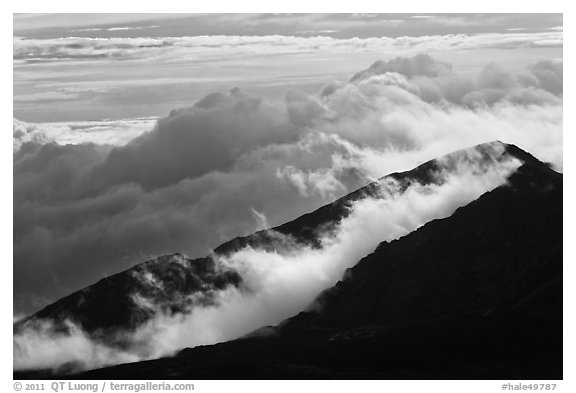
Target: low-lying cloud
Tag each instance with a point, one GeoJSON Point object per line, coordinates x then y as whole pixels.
{"type": "Point", "coordinates": [97, 206]}
{"type": "Point", "coordinates": [108, 132]}
{"type": "Point", "coordinates": [276, 284]}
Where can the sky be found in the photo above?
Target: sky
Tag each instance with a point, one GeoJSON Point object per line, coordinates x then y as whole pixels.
{"type": "Point", "coordinates": [141, 135]}
{"type": "Point", "coordinates": [120, 66]}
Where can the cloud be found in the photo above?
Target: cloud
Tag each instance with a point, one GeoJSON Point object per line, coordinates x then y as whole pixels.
{"type": "Point", "coordinates": [128, 28]}
{"type": "Point", "coordinates": [63, 351]}
{"type": "Point", "coordinates": [98, 204]}
{"type": "Point", "coordinates": [433, 80]}
{"type": "Point", "coordinates": [419, 65]}
{"type": "Point", "coordinates": [323, 182]}
{"type": "Point", "coordinates": [278, 284]}
{"type": "Point", "coordinates": [179, 49]}
{"type": "Point", "coordinates": [191, 142]}
{"type": "Point", "coordinates": [549, 74]}
{"type": "Point", "coordinates": [141, 76]}
{"type": "Point", "coordinates": [101, 132]}
{"type": "Point", "coordinates": [23, 132]}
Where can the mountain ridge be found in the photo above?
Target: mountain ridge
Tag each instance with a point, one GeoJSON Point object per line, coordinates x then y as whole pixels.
{"type": "Point", "coordinates": [504, 322]}
{"type": "Point", "coordinates": [304, 229]}
{"type": "Point", "coordinates": [421, 174]}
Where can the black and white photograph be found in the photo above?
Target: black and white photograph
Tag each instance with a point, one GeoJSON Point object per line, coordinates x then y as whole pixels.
{"type": "Point", "coordinates": [288, 196]}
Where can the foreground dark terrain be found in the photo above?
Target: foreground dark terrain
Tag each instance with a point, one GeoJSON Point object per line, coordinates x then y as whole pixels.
{"type": "Point", "coordinates": [477, 295]}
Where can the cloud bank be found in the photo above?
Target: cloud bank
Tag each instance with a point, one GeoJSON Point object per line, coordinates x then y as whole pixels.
{"type": "Point", "coordinates": [87, 208]}
{"type": "Point", "coordinates": [122, 77]}
{"type": "Point", "coordinates": [102, 132]}
{"type": "Point", "coordinates": [180, 49]}
{"type": "Point", "coordinates": [276, 284]}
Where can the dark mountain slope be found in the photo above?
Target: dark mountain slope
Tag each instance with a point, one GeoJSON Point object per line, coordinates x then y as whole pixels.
{"type": "Point", "coordinates": [168, 281]}
{"type": "Point", "coordinates": [307, 228]}
{"type": "Point", "coordinates": [112, 302]}
{"type": "Point", "coordinates": [485, 257]}
{"type": "Point", "coordinates": [477, 295]}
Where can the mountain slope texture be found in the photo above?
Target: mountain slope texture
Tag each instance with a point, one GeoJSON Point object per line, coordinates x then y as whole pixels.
{"type": "Point", "coordinates": [477, 295]}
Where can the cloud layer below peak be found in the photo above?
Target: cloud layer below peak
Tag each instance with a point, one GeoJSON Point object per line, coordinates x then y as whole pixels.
{"type": "Point", "coordinates": [88, 204]}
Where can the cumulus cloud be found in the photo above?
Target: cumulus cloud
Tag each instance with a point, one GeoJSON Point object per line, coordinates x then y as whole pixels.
{"type": "Point", "coordinates": [277, 284]}
{"type": "Point", "coordinates": [23, 132]}
{"type": "Point", "coordinates": [191, 142]}
{"type": "Point", "coordinates": [434, 81]}
{"type": "Point", "coordinates": [419, 65]}
{"type": "Point", "coordinates": [194, 180]}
